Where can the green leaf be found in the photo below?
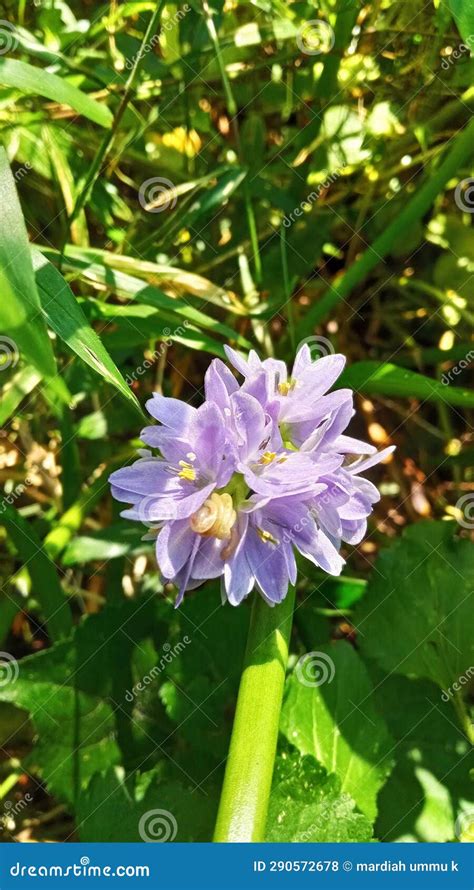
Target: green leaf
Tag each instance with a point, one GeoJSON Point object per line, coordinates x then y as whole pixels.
{"type": "Point", "coordinates": [430, 788]}
{"type": "Point", "coordinates": [416, 616]}
{"type": "Point", "coordinates": [386, 379]}
{"type": "Point", "coordinates": [150, 808]}
{"type": "Point", "coordinates": [20, 309]}
{"type": "Point", "coordinates": [463, 14]}
{"type": "Point", "coordinates": [66, 318]}
{"type": "Point", "coordinates": [36, 81]}
{"type": "Point", "coordinates": [135, 289]}
{"type": "Point", "coordinates": [337, 723]}
{"type": "Point", "coordinates": [46, 586]}
{"type": "Point", "coordinates": [308, 806]}
{"type": "Point", "coordinates": [21, 385]}
{"type": "Point", "coordinates": [107, 543]}
{"type": "Point", "coordinates": [179, 281]}
{"type": "Point", "coordinates": [67, 691]}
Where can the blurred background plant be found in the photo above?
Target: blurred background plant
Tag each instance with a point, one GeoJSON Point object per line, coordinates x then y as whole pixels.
{"type": "Point", "coordinates": [261, 174]}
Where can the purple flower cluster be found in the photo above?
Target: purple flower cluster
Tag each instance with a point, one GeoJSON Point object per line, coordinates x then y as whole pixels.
{"type": "Point", "coordinates": [258, 470]}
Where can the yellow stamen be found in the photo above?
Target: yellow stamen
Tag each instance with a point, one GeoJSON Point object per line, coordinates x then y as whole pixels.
{"type": "Point", "coordinates": [187, 472]}
{"type": "Point", "coordinates": [266, 537]}
{"type": "Point", "coordinates": [285, 388]}
{"type": "Point", "coordinates": [267, 457]}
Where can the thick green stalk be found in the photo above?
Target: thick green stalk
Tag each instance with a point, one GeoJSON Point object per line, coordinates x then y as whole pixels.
{"type": "Point", "coordinates": [245, 794]}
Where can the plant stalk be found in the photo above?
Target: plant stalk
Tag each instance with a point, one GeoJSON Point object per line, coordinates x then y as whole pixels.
{"type": "Point", "coordinates": [245, 794]}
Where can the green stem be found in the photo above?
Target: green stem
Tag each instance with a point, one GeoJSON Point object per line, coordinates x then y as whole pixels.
{"type": "Point", "coordinates": [248, 777]}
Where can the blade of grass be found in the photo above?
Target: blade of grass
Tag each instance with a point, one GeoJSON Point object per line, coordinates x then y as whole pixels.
{"type": "Point", "coordinates": [416, 207]}
{"type": "Point", "coordinates": [386, 379]}
{"type": "Point", "coordinates": [36, 81]}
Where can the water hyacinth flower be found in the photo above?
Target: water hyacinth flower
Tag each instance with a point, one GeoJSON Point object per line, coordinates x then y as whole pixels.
{"type": "Point", "coordinates": [261, 468]}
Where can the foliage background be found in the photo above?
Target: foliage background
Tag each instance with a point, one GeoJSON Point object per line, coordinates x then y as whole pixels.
{"type": "Point", "coordinates": [251, 185]}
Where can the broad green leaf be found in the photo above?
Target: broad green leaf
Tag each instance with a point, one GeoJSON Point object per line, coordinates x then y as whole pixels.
{"type": "Point", "coordinates": [148, 808]}
{"type": "Point", "coordinates": [46, 587]}
{"type": "Point", "coordinates": [36, 81]}
{"type": "Point", "coordinates": [67, 691]}
{"type": "Point", "coordinates": [416, 616]}
{"type": "Point", "coordinates": [21, 384]}
{"type": "Point", "coordinates": [199, 686]}
{"type": "Point", "coordinates": [107, 543]}
{"type": "Point", "coordinates": [373, 378]}
{"type": "Point", "coordinates": [66, 318]}
{"type": "Point", "coordinates": [20, 309]}
{"type": "Point", "coordinates": [337, 723]}
{"type": "Point", "coordinates": [308, 806]}
{"type": "Point", "coordinates": [429, 788]}
{"type": "Point", "coordinates": [463, 14]}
